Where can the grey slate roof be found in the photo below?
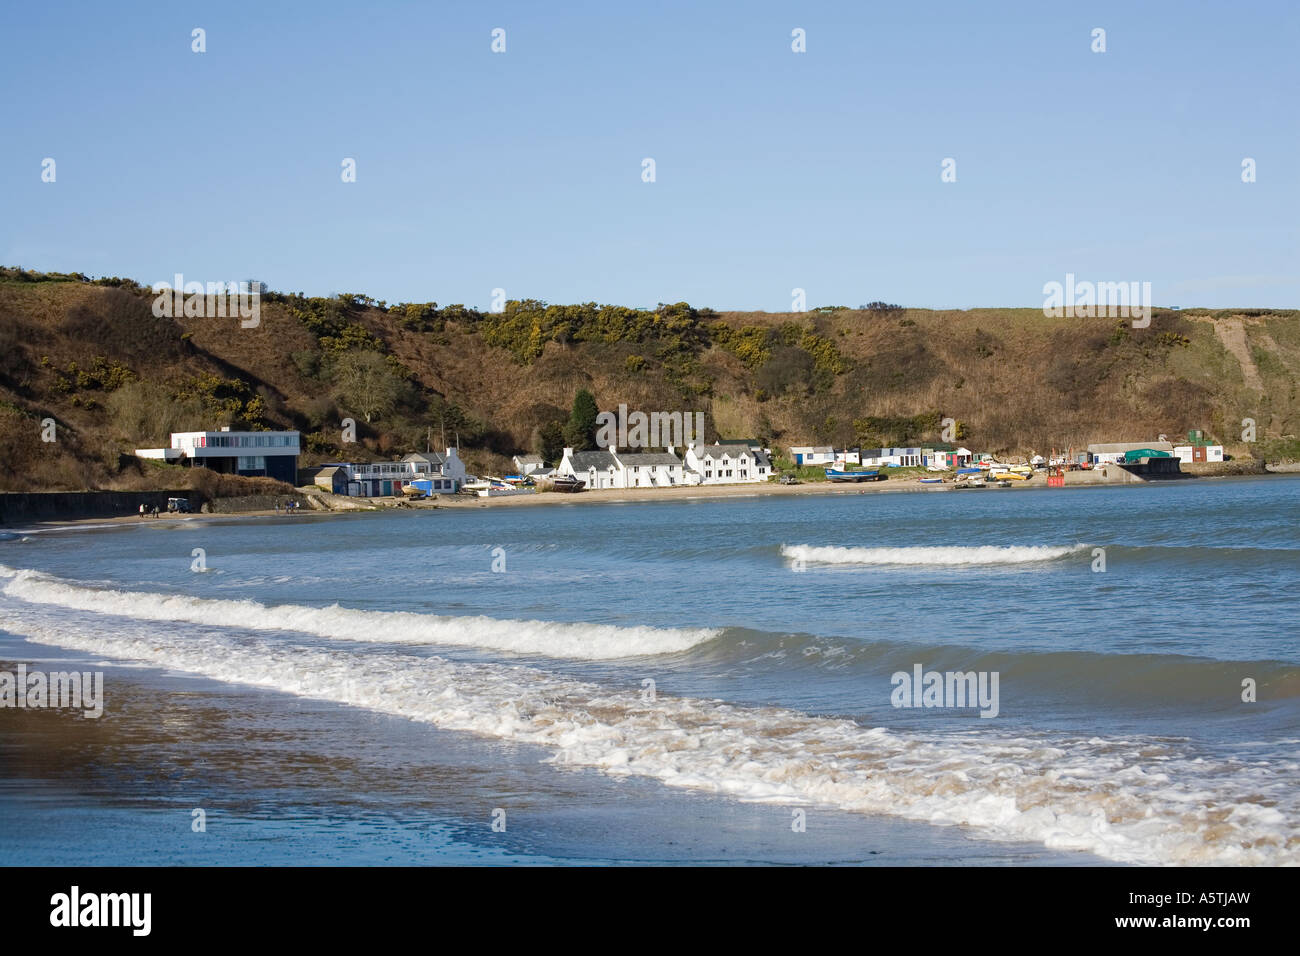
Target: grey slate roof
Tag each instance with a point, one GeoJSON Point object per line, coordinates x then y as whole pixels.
{"type": "Point", "coordinates": [717, 451]}
{"type": "Point", "coordinates": [648, 458]}
{"type": "Point", "coordinates": [586, 460]}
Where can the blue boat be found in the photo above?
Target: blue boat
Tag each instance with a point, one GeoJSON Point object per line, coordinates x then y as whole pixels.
{"type": "Point", "coordinates": [834, 474]}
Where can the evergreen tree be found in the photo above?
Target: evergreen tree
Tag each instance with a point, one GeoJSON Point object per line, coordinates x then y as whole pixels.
{"type": "Point", "coordinates": [580, 432]}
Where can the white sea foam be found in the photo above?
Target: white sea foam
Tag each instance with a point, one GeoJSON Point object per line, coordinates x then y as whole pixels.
{"type": "Point", "coordinates": [954, 555]}
{"type": "Point", "coordinates": [545, 638]}
{"type": "Point", "coordinates": [1139, 799]}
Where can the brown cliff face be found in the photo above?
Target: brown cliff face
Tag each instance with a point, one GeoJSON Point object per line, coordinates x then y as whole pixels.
{"type": "Point", "coordinates": [113, 376]}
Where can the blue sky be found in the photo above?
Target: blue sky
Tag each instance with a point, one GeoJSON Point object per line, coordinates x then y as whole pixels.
{"type": "Point", "coordinates": [774, 170]}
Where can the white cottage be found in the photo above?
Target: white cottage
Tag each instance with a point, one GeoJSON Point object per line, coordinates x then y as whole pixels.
{"type": "Point", "coordinates": [727, 464]}
{"type": "Point", "coordinates": [650, 469]}
{"type": "Point", "coordinates": [432, 464]}
{"type": "Point", "coordinates": [598, 468]}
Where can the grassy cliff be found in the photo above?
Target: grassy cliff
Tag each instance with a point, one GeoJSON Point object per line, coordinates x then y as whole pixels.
{"type": "Point", "coordinates": [92, 356]}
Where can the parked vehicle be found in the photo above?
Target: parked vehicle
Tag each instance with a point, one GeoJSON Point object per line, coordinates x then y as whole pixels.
{"type": "Point", "coordinates": [178, 505]}
{"type": "Point", "coordinates": [790, 480]}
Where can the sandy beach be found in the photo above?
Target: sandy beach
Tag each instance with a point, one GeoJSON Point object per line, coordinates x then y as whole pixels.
{"type": "Point", "coordinates": [627, 495]}
{"type": "Point", "coordinates": [699, 492]}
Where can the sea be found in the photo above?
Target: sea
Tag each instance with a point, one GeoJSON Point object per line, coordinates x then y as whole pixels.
{"type": "Point", "coordinates": [1091, 676]}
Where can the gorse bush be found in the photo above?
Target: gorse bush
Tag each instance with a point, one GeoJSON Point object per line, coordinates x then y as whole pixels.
{"type": "Point", "coordinates": [524, 327]}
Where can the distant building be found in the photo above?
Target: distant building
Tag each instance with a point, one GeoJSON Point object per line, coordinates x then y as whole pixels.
{"type": "Point", "coordinates": [1110, 453]}
{"type": "Point", "coordinates": [894, 457]}
{"type": "Point", "coordinates": [530, 466]}
{"type": "Point", "coordinates": [445, 464]}
{"type": "Point", "coordinates": [948, 458]}
{"type": "Point", "coordinates": [651, 469]}
{"type": "Point", "coordinates": [1193, 453]}
{"type": "Point", "coordinates": [598, 468]}
{"type": "Point", "coordinates": [437, 472]}
{"type": "Point", "coordinates": [813, 454]}
{"type": "Point", "coordinates": [727, 464]}
{"type": "Point", "coordinates": [615, 468]}
{"type": "Point", "coordinates": [333, 478]}
{"type": "Point", "coordinates": [252, 454]}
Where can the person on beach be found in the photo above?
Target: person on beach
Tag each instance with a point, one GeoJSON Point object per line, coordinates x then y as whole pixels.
{"type": "Point", "coordinates": [142, 509]}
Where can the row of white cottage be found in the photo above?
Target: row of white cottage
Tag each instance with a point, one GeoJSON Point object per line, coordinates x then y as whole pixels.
{"type": "Point", "coordinates": [720, 464]}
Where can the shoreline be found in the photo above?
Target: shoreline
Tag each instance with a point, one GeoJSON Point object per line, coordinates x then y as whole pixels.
{"type": "Point", "coordinates": [678, 494]}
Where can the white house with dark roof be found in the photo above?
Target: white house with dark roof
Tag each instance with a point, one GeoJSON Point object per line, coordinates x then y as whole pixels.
{"type": "Point", "coordinates": [598, 468]}
{"type": "Point", "coordinates": [530, 466]}
{"type": "Point", "coordinates": [615, 468]}
{"type": "Point", "coordinates": [445, 464]}
{"type": "Point", "coordinates": [728, 464]}
{"type": "Point", "coordinates": [650, 469]}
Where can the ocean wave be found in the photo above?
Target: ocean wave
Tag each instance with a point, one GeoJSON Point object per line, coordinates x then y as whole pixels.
{"type": "Point", "coordinates": [1131, 799]}
{"type": "Point", "coordinates": [1133, 679]}
{"type": "Point", "coordinates": [544, 638]}
{"type": "Point", "coordinates": [945, 556]}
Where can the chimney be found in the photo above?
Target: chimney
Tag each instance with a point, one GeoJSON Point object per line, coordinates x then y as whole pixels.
{"type": "Point", "coordinates": [568, 453]}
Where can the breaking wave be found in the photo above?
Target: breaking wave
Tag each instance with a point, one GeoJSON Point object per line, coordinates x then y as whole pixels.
{"type": "Point", "coordinates": [545, 638]}
{"type": "Point", "coordinates": [1132, 798]}
{"type": "Point", "coordinates": [951, 556]}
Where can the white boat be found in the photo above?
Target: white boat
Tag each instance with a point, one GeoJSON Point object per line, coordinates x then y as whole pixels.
{"type": "Point", "coordinates": [494, 488]}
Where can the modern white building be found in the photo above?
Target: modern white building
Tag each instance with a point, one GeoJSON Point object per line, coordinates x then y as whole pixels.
{"type": "Point", "coordinates": [255, 454]}
{"type": "Point", "coordinates": [728, 464]}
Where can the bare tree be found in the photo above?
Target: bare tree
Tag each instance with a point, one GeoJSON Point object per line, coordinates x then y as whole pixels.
{"type": "Point", "coordinates": [365, 382]}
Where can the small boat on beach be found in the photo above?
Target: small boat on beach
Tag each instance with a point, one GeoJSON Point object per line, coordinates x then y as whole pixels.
{"type": "Point", "coordinates": [835, 474]}
{"type": "Point", "coordinates": [494, 488]}
{"type": "Point", "coordinates": [565, 484]}
{"type": "Point", "coordinates": [930, 481]}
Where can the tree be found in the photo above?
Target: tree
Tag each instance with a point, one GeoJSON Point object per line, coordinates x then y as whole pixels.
{"type": "Point", "coordinates": [580, 432]}
{"type": "Point", "coordinates": [550, 442]}
{"type": "Point", "coordinates": [365, 382]}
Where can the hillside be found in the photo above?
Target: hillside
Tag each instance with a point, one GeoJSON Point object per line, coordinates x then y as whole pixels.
{"type": "Point", "coordinates": [92, 356]}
